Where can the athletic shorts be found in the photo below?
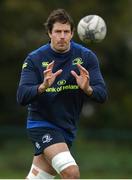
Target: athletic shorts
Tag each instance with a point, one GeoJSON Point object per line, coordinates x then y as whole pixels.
{"type": "Point", "coordinates": [43, 137]}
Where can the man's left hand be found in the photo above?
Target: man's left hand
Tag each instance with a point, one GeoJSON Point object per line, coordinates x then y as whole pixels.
{"type": "Point", "coordinates": [83, 79]}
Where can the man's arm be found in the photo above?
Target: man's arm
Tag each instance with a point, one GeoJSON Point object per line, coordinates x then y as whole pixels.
{"type": "Point", "coordinates": [91, 81]}
{"type": "Point", "coordinates": [96, 80]}
{"type": "Point", "coordinates": [28, 85]}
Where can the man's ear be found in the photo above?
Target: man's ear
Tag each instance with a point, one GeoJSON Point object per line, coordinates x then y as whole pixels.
{"type": "Point", "coordinates": [49, 33]}
{"type": "Point", "coordinates": [72, 33]}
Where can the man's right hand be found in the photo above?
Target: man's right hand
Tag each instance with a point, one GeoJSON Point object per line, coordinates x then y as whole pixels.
{"type": "Point", "coordinates": [49, 77]}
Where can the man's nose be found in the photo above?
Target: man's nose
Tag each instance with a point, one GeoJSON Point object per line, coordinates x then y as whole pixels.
{"type": "Point", "coordinates": [62, 34]}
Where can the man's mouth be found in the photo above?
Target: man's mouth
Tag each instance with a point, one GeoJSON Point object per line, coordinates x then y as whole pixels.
{"type": "Point", "coordinates": [61, 43]}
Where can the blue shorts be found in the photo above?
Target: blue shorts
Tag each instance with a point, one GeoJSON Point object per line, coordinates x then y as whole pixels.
{"type": "Point", "coordinates": [42, 137]}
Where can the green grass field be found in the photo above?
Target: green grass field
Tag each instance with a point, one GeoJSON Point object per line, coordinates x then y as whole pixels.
{"type": "Point", "coordinates": [97, 159]}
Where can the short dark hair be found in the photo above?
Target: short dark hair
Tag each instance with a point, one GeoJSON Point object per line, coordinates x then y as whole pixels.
{"type": "Point", "coordinates": [58, 15]}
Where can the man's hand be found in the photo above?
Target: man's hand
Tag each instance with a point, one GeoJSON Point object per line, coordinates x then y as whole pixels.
{"type": "Point", "coordinates": [49, 77]}
{"type": "Point", "coordinates": [83, 79]}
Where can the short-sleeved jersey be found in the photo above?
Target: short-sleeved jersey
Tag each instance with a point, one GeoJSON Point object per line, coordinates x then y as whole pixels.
{"type": "Point", "coordinates": [60, 105]}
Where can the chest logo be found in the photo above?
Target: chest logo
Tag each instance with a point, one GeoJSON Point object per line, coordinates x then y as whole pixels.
{"type": "Point", "coordinates": [77, 60]}
{"type": "Point", "coordinates": [45, 63]}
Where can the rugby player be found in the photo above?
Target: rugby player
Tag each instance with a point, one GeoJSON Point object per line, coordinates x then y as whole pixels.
{"type": "Point", "coordinates": [55, 80]}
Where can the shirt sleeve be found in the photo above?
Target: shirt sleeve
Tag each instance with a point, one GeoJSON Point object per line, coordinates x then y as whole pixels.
{"type": "Point", "coordinates": [28, 85]}
{"type": "Point", "coordinates": [96, 79]}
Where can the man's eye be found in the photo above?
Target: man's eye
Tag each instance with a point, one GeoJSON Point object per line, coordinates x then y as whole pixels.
{"type": "Point", "coordinates": [58, 31]}
{"type": "Point", "coordinates": [67, 31]}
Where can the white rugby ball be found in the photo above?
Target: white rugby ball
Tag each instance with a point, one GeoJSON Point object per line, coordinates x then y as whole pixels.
{"type": "Point", "coordinates": [91, 28]}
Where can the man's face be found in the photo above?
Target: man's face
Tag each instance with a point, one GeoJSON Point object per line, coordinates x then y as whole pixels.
{"type": "Point", "coordinates": [60, 36]}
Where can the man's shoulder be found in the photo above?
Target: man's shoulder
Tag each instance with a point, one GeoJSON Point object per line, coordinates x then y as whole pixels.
{"type": "Point", "coordinates": [39, 52]}
{"type": "Point", "coordinates": [85, 52]}
{"type": "Point", "coordinates": [80, 47]}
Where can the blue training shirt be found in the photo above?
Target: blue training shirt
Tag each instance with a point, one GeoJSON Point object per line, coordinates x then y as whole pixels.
{"type": "Point", "coordinates": [60, 105]}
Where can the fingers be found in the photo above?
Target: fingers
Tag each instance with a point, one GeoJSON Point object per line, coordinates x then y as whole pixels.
{"type": "Point", "coordinates": [49, 75]}
{"type": "Point", "coordinates": [74, 74]}
{"type": "Point", "coordinates": [50, 66]}
{"type": "Point", "coordinates": [57, 73]}
{"type": "Point", "coordinates": [82, 69]}
{"type": "Point", "coordinates": [46, 71]}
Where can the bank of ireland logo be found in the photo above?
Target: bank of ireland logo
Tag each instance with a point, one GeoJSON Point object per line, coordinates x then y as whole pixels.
{"type": "Point", "coordinates": [61, 82]}
{"type": "Point", "coordinates": [77, 60]}
{"type": "Point", "coordinates": [46, 138]}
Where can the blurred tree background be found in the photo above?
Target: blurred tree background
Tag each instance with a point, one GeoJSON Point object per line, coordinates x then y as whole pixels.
{"type": "Point", "coordinates": [22, 31]}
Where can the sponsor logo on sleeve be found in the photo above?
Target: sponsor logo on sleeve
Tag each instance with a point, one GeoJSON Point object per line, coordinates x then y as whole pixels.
{"type": "Point", "coordinates": [24, 65]}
